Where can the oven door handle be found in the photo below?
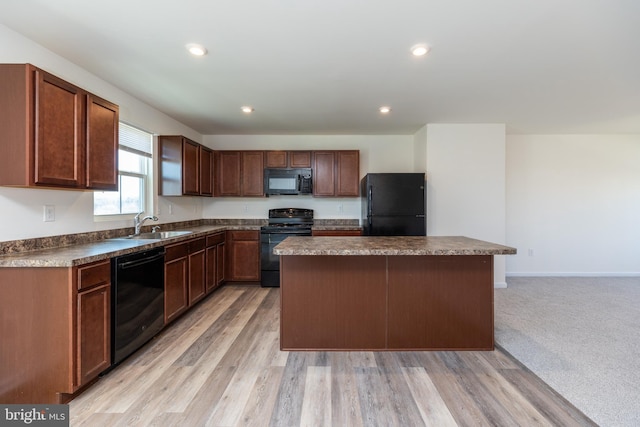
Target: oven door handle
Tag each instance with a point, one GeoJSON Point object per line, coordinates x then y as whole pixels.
{"type": "Point", "coordinates": [132, 264]}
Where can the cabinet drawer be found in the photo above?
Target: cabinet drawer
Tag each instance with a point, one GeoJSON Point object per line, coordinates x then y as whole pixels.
{"type": "Point", "coordinates": [244, 235]}
{"type": "Point", "coordinates": [215, 239]}
{"type": "Point", "coordinates": [176, 251]}
{"type": "Point", "coordinates": [93, 275]}
{"type": "Point", "coordinates": [197, 245]}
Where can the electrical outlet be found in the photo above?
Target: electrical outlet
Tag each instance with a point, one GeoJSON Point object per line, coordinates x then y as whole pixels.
{"type": "Point", "coordinates": [49, 213]}
{"type": "Point", "coordinates": [530, 252]}
{"type": "Point", "coordinates": [340, 208]}
{"type": "Point", "coordinates": [246, 208]}
{"type": "Point", "coordinates": [170, 209]}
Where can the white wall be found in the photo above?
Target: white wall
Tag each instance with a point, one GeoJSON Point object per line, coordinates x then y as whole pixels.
{"type": "Point", "coordinates": [21, 216]}
{"type": "Point", "coordinates": [466, 184]}
{"type": "Point", "coordinates": [378, 153]}
{"type": "Point", "coordinates": [574, 202]}
{"type": "Point", "coordinates": [420, 150]}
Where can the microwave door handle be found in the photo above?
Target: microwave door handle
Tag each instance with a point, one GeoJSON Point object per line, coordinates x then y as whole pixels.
{"type": "Point", "coordinates": [299, 182]}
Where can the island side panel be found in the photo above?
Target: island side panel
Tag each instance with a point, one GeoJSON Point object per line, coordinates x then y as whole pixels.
{"type": "Point", "coordinates": [333, 302]}
{"type": "Point", "coordinates": [36, 334]}
{"type": "Point", "coordinates": [441, 302]}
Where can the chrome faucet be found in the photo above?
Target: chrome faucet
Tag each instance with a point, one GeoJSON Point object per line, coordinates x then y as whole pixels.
{"type": "Point", "coordinates": [137, 222]}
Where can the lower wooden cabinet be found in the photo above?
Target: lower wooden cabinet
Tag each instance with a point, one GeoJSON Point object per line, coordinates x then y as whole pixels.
{"type": "Point", "coordinates": [56, 330]}
{"type": "Point", "coordinates": [215, 261]}
{"type": "Point", "coordinates": [94, 321]}
{"type": "Point", "coordinates": [184, 276]}
{"type": "Point", "coordinates": [243, 254]}
{"type": "Point", "coordinates": [176, 270]}
{"type": "Point", "coordinates": [93, 333]}
{"type": "Point", "coordinates": [197, 270]}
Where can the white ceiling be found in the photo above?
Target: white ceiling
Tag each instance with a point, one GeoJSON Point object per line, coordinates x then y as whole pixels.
{"type": "Point", "coordinates": [325, 66]}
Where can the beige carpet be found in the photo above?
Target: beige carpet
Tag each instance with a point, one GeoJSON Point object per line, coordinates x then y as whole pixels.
{"type": "Point", "coordinates": [581, 335]}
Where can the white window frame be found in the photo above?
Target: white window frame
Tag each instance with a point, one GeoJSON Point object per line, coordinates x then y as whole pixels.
{"type": "Point", "coordinates": [148, 198]}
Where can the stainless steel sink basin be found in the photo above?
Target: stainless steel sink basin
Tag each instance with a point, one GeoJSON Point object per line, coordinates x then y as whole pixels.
{"type": "Point", "coordinates": [158, 235]}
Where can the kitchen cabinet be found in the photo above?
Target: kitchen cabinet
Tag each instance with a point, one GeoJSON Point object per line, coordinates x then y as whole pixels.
{"type": "Point", "coordinates": [185, 167]}
{"type": "Point", "coordinates": [215, 261]}
{"type": "Point", "coordinates": [197, 270]}
{"type": "Point", "coordinates": [206, 171]}
{"type": "Point", "coordinates": [94, 321]}
{"type": "Point", "coordinates": [184, 276]}
{"type": "Point", "coordinates": [336, 173]}
{"type": "Point", "coordinates": [176, 270]}
{"type": "Point", "coordinates": [243, 254]}
{"type": "Point", "coordinates": [55, 134]}
{"type": "Point", "coordinates": [56, 330]}
{"type": "Point", "coordinates": [239, 173]}
{"type": "Point", "coordinates": [287, 159]}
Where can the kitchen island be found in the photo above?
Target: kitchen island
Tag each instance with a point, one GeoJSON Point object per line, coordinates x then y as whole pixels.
{"type": "Point", "coordinates": [387, 293]}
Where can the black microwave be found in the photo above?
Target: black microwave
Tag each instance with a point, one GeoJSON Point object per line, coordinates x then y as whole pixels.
{"type": "Point", "coordinates": [287, 181]}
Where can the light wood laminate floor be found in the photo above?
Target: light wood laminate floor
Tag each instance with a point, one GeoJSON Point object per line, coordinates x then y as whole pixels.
{"type": "Point", "coordinates": [220, 365]}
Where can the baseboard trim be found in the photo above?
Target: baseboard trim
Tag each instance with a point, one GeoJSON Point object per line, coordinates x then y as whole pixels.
{"type": "Point", "coordinates": [498, 285]}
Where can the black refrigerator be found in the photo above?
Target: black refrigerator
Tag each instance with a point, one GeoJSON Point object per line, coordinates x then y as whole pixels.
{"type": "Point", "coordinates": [393, 204]}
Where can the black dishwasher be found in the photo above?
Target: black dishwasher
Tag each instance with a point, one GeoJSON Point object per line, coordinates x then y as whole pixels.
{"type": "Point", "coordinates": [137, 311]}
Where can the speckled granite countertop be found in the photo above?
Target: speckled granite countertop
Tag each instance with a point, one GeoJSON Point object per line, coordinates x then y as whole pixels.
{"type": "Point", "coordinates": [336, 224]}
{"type": "Point", "coordinates": [73, 255]}
{"type": "Point", "coordinates": [336, 227]}
{"type": "Point", "coordinates": [396, 245]}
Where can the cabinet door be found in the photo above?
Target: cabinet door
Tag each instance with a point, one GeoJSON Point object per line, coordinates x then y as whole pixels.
{"type": "Point", "coordinates": [220, 271]}
{"type": "Point", "coordinates": [197, 270]}
{"type": "Point", "coordinates": [206, 171]}
{"type": "Point", "coordinates": [324, 179]}
{"type": "Point", "coordinates": [190, 168]}
{"type": "Point", "coordinates": [94, 333]}
{"type": "Point", "coordinates": [300, 159]}
{"type": "Point", "coordinates": [276, 159]}
{"type": "Point", "coordinates": [175, 282]}
{"type": "Point", "coordinates": [59, 141]}
{"type": "Point", "coordinates": [348, 173]}
{"type": "Point", "coordinates": [102, 144]}
{"type": "Point", "coordinates": [243, 255]}
{"type": "Point", "coordinates": [252, 173]}
{"type": "Point", "coordinates": [227, 165]}
{"type": "Point", "coordinates": [212, 266]}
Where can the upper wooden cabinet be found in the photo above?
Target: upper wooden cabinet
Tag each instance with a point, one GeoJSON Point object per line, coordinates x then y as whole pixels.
{"type": "Point", "coordinates": [336, 173]}
{"type": "Point", "coordinates": [185, 167]}
{"type": "Point", "coordinates": [287, 159]}
{"type": "Point", "coordinates": [55, 134]}
{"type": "Point", "coordinates": [206, 171]}
{"type": "Point", "coordinates": [239, 173]}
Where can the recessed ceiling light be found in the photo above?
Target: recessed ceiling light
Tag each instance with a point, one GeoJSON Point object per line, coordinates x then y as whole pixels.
{"type": "Point", "coordinates": [420, 50]}
{"type": "Point", "coordinates": [246, 109]}
{"type": "Point", "coordinates": [385, 109]}
{"type": "Point", "coordinates": [196, 49]}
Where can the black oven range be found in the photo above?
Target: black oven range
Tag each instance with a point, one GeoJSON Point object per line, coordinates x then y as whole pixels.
{"type": "Point", "coordinates": [283, 222]}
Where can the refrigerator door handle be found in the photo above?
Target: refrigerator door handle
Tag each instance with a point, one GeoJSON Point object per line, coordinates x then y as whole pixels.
{"type": "Point", "coordinates": [370, 201]}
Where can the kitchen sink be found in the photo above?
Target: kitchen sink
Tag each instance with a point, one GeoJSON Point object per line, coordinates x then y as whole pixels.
{"type": "Point", "coordinates": [158, 235]}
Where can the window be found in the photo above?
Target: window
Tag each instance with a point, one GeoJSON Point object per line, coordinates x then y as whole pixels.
{"type": "Point", "coordinates": [134, 176]}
